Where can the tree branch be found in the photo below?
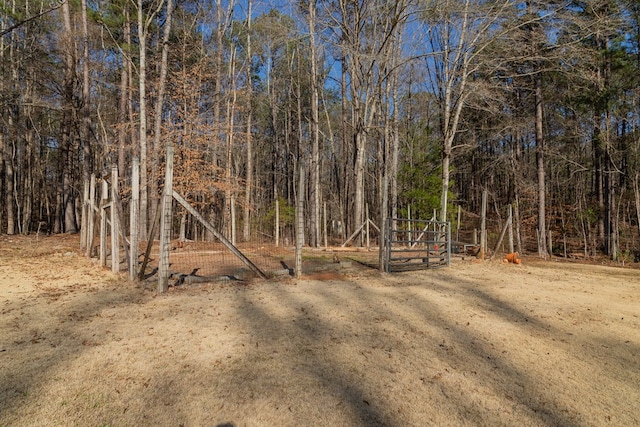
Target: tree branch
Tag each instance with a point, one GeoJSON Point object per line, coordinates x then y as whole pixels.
{"type": "Point", "coordinates": [34, 17]}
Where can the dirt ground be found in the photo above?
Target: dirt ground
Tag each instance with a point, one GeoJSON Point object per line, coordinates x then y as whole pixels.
{"type": "Point", "coordinates": [475, 344]}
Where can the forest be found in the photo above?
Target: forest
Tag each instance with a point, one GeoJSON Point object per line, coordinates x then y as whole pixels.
{"type": "Point", "coordinates": [386, 108]}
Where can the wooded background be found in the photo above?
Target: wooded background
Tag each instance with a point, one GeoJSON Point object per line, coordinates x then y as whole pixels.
{"type": "Point", "coordinates": [384, 105]}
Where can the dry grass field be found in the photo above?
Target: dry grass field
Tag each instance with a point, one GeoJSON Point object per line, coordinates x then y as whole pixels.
{"type": "Point", "coordinates": [475, 344]}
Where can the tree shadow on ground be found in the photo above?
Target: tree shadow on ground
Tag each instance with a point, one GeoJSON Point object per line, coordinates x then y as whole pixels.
{"type": "Point", "coordinates": [343, 352]}
{"type": "Point", "coordinates": [48, 336]}
{"type": "Point", "coordinates": [323, 365]}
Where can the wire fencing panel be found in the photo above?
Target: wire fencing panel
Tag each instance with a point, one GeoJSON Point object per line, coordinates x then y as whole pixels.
{"type": "Point", "coordinates": [198, 252]}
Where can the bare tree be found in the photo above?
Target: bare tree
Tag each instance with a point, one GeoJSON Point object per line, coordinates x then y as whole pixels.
{"type": "Point", "coordinates": [458, 33]}
{"type": "Point", "coordinates": [541, 173]}
{"type": "Point", "coordinates": [366, 31]}
{"type": "Point", "coordinates": [248, 189]}
{"type": "Point", "coordinates": [229, 211]}
{"type": "Point", "coordinates": [87, 163]}
{"type": "Point", "coordinates": [124, 106]}
{"type": "Point", "coordinates": [65, 199]}
{"type": "Point", "coordinates": [159, 102]}
{"type": "Point", "coordinates": [6, 146]}
{"type": "Point", "coordinates": [144, 23]}
{"type": "Point", "coordinates": [314, 196]}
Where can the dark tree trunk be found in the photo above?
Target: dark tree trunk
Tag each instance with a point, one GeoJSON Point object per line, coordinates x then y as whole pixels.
{"type": "Point", "coordinates": [540, 150]}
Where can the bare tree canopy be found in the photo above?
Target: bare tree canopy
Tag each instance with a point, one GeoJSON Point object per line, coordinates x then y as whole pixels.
{"type": "Point", "coordinates": [408, 108]}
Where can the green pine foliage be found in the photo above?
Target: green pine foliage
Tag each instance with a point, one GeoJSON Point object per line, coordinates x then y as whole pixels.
{"type": "Point", "coordinates": [420, 176]}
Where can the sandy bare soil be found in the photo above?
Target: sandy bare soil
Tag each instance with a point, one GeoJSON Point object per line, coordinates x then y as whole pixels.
{"type": "Point", "coordinates": [542, 344]}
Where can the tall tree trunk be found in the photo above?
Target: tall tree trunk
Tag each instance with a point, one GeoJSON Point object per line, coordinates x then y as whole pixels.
{"type": "Point", "coordinates": [334, 164]}
{"type": "Point", "coordinates": [28, 160]}
{"type": "Point", "coordinates": [2, 168]}
{"type": "Point", "coordinates": [383, 151]}
{"type": "Point", "coordinates": [602, 160]}
{"type": "Point", "coordinates": [142, 137]}
{"type": "Point", "coordinates": [223, 20]}
{"type": "Point", "coordinates": [8, 147]}
{"type": "Point", "coordinates": [610, 169]}
{"type": "Point", "coordinates": [636, 193]}
{"type": "Point", "coordinates": [540, 149]}
{"type": "Point", "coordinates": [358, 168]}
{"type": "Point", "coordinates": [87, 160]}
{"type": "Point", "coordinates": [246, 230]}
{"type": "Point", "coordinates": [66, 126]}
{"type": "Point", "coordinates": [9, 154]}
{"type": "Point", "coordinates": [123, 106]}
{"type": "Point", "coordinates": [133, 129]}
{"type": "Point", "coordinates": [346, 154]}
{"type": "Point", "coordinates": [299, 168]}
{"type": "Point", "coordinates": [122, 117]}
{"type": "Point", "coordinates": [453, 82]}
{"type": "Point", "coordinates": [159, 106]}
{"type": "Point", "coordinates": [314, 196]}
{"type": "Point", "coordinates": [3, 130]}
{"type": "Point", "coordinates": [275, 147]}
{"type": "Point", "coordinates": [395, 151]}
{"type": "Point", "coordinates": [515, 197]}
{"type": "Point", "coordinates": [143, 32]}
{"type": "Point", "coordinates": [229, 184]}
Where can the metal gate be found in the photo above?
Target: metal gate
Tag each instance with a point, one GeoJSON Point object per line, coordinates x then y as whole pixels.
{"type": "Point", "coordinates": [416, 244]}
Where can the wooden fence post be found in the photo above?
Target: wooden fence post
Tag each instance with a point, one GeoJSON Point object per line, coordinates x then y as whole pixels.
{"type": "Point", "coordinates": [458, 223]}
{"type": "Point", "coordinates": [115, 226]}
{"type": "Point", "coordinates": [510, 220]}
{"type": "Point", "coordinates": [299, 223]}
{"type": "Point", "coordinates": [84, 230]}
{"type": "Point", "coordinates": [91, 218]}
{"type": "Point", "coordinates": [277, 233]}
{"type": "Point", "coordinates": [366, 208]}
{"type": "Point", "coordinates": [324, 223]}
{"type": "Point", "coordinates": [409, 226]}
{"type": "Point", "coordinates": [104, 195]}
{"type": "Point", "coordinates": [165, 223]}
{"type": "Point", "coordinates": [232, 209]}
{"type": "Point", "coordinates": [384, 229]}
{"type": "Point", "coordinates": [483, 226]}
{"type": "Point", "coordinates": [134, 210]}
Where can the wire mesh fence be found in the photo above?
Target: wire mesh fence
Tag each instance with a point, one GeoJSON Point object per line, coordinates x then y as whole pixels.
{"type": "Point", "coordinates": [196, 251]}
{"type": "Point", "coordinates": [195, 261]}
